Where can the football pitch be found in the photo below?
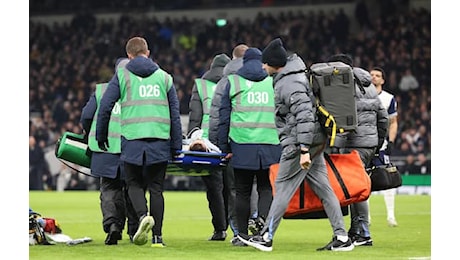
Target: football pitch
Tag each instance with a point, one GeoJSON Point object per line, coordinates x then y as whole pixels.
{"type": "Point", "coordinates": [187, 226]}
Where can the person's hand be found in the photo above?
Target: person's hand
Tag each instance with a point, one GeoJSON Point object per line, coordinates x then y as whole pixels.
{"type": "Point", "coordinates": [305, 161]}
{"type": "Point", "coordinates": [103, 145]}
{"type": "Point", "coordinates": [389, 148]}
{"type": "Point", "coordinates": [174, 153]}
{"type": "Point", "coordinates": [228, 156]}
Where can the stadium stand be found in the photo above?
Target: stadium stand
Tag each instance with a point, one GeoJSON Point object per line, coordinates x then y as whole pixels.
{"type": "Point", "coordinates": [68, 57]}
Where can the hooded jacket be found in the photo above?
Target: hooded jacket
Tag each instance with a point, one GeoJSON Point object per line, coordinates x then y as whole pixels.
{"type": "Point", "coordinates": [102, 164]}
{"type": "Point", "coordinates": [214, 74]}
{"type": "Point", "coordinates": [141, 151]}
{"type": "Point", "coordinates": [245, 156]}
{"type": "Point", "coordinates": [232, 67]}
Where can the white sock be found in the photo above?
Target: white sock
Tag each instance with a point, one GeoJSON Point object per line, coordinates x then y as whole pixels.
{"type": "Point", "coordinates": [389, 196]}
{"type": "Point", "coordinates": [266, 237]}
{"type": "Point", "coordinates": [342, 238]}
{"type": "Point", "coordinates": [369, 207]}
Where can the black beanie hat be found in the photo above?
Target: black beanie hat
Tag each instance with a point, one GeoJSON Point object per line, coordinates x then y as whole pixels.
{"type": "Point", "coordinates": [274, 54]}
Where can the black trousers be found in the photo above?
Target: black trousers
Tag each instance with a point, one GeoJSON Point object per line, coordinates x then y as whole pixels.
{"type": "Point", "coordinates": [244, 180]}
{"type": "Point", "coordinates": [116, 205]}
{"type": "Point", "coordinates": [140, 179]}
{"type": "Point", "coordinates": [216, 201]}
{"type": "Point", "coordinates": [229, 199]}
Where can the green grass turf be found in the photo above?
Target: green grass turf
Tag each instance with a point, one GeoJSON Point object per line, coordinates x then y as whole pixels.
{"type": "Point", "coordinates": [187, 226]}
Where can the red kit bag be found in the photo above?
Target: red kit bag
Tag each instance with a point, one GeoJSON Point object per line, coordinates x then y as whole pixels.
{"type": "Point", "coordinates": [348, 179]}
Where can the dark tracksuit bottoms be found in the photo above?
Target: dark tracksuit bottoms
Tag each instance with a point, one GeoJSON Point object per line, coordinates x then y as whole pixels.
{"type": "Point", "coordinates": [136, 177]}
{"type": "Point", "coordinates": [215, 194]}
{"type": "Point", "coordinates": [359, 212]}
{"type": "Point", "coordinates": [244, 180]}
{"type": "Point", "coordinates": [116, 205]}
{"type": "Point", "coordinates": [229, 198]}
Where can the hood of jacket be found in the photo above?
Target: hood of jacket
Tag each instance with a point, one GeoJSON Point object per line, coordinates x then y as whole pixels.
{"type": "Point", "coordinates": [233, 66]}
{"type": "Point", "coordinates": [142, 66]}
{"type": "Point", "coordinates": [252, 65]}
{"type": "Point", "coordinates": [294, 64]}
{"type": "Point", "coordinates": [220, 61]}
{"type": "Point", "coordinates": [363, 75]}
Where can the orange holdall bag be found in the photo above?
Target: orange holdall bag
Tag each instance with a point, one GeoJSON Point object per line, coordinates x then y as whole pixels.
{"type": "Point", "coordinates": [348, 179]}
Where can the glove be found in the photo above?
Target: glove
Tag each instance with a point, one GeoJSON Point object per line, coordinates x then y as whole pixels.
{"type": "Point", "coordinates": [174, 153]}
{"type": "Point", "coordinates": [103, 145]}
{"type": "Point", "coordinates": [389, 148]}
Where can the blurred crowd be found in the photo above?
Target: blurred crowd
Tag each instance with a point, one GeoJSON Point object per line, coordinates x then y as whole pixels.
{"type": "Point", "coordinates": [43, 7]}
{"type": "Point", "coordinates": [66, 60]}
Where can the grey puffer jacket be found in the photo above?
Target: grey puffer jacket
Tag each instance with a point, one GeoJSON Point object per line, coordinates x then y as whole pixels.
{"type": "Point", "coordinates": [295, 112]}
{"type": "Point", "coordinates": [372, 116]}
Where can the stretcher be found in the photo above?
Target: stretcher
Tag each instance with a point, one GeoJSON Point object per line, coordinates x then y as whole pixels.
{"type": "Point", "coordinates": [73, 148]}
{"type": "Point", "coordinates": [196, 163]}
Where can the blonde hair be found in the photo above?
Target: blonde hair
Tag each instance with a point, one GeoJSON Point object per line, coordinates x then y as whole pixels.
{"type": "Point", "coordinates": [239, 50]}
{"type": "Point", "coordinates": [137, 46]}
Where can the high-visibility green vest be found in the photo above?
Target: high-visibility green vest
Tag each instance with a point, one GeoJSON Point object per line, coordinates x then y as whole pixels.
{"type": "Point", "coordinates": [114, 125]}
{"type": "Point", "coordinates": [252, 119]}
{"type": "Point", "coordinates": [206, 90]}
{"type": "Point", "coordinates": [144, 105]}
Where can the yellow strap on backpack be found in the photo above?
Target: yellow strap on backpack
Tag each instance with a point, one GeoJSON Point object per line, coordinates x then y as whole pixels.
{"type": "Point", "coordinates": [330, 120]}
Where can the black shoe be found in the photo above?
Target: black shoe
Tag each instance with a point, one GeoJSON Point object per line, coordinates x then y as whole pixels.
{"type": "Point", "coordinates": [113, 236]}
{"type": "Point", "coordinates": [255, 225]}
{"type": "Point", "coordinates": [157, 241]}
{"type": "Point", "coordinates": [252, 227]}
{"type": "Point", "coordinates": [260, 223]}
{"type": "Point", "coordinates": [337, 245]}
{"type": "Point", "coordinates": [259, 242]}
{"type": "Point", "coordinates": [218, 236]}
{"type": "Point", "coordinates": [353, 233]}
{"type": "Point", "coordinates": [131, 238]}
{"type": "Point", "coordinates": [361, 241]}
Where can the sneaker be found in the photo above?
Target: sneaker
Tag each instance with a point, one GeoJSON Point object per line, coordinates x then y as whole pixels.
{"type": "Point", "coordinates": [337, 245]}
{"type": "Point", "coordinates": [259, 242]}
{"type": "Point", "coordinates": [392, 222]}
{"type": "Point", "coordinates": [218, 236]}
{"type": "Point", "coordinates": [157, 241]}
{"type": "Point", "coordinates": [256, 225]}
{"type": "Point", "coordinates": [113, 236]}
{"type": "Point", "coordinates": [252, 227]}
{"type": "Point", "coordinates": [145, 225]}
{"type": "Point", "coordinates": [237, 242]}
{"type": "Point", "coordinates": [361, 241]}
